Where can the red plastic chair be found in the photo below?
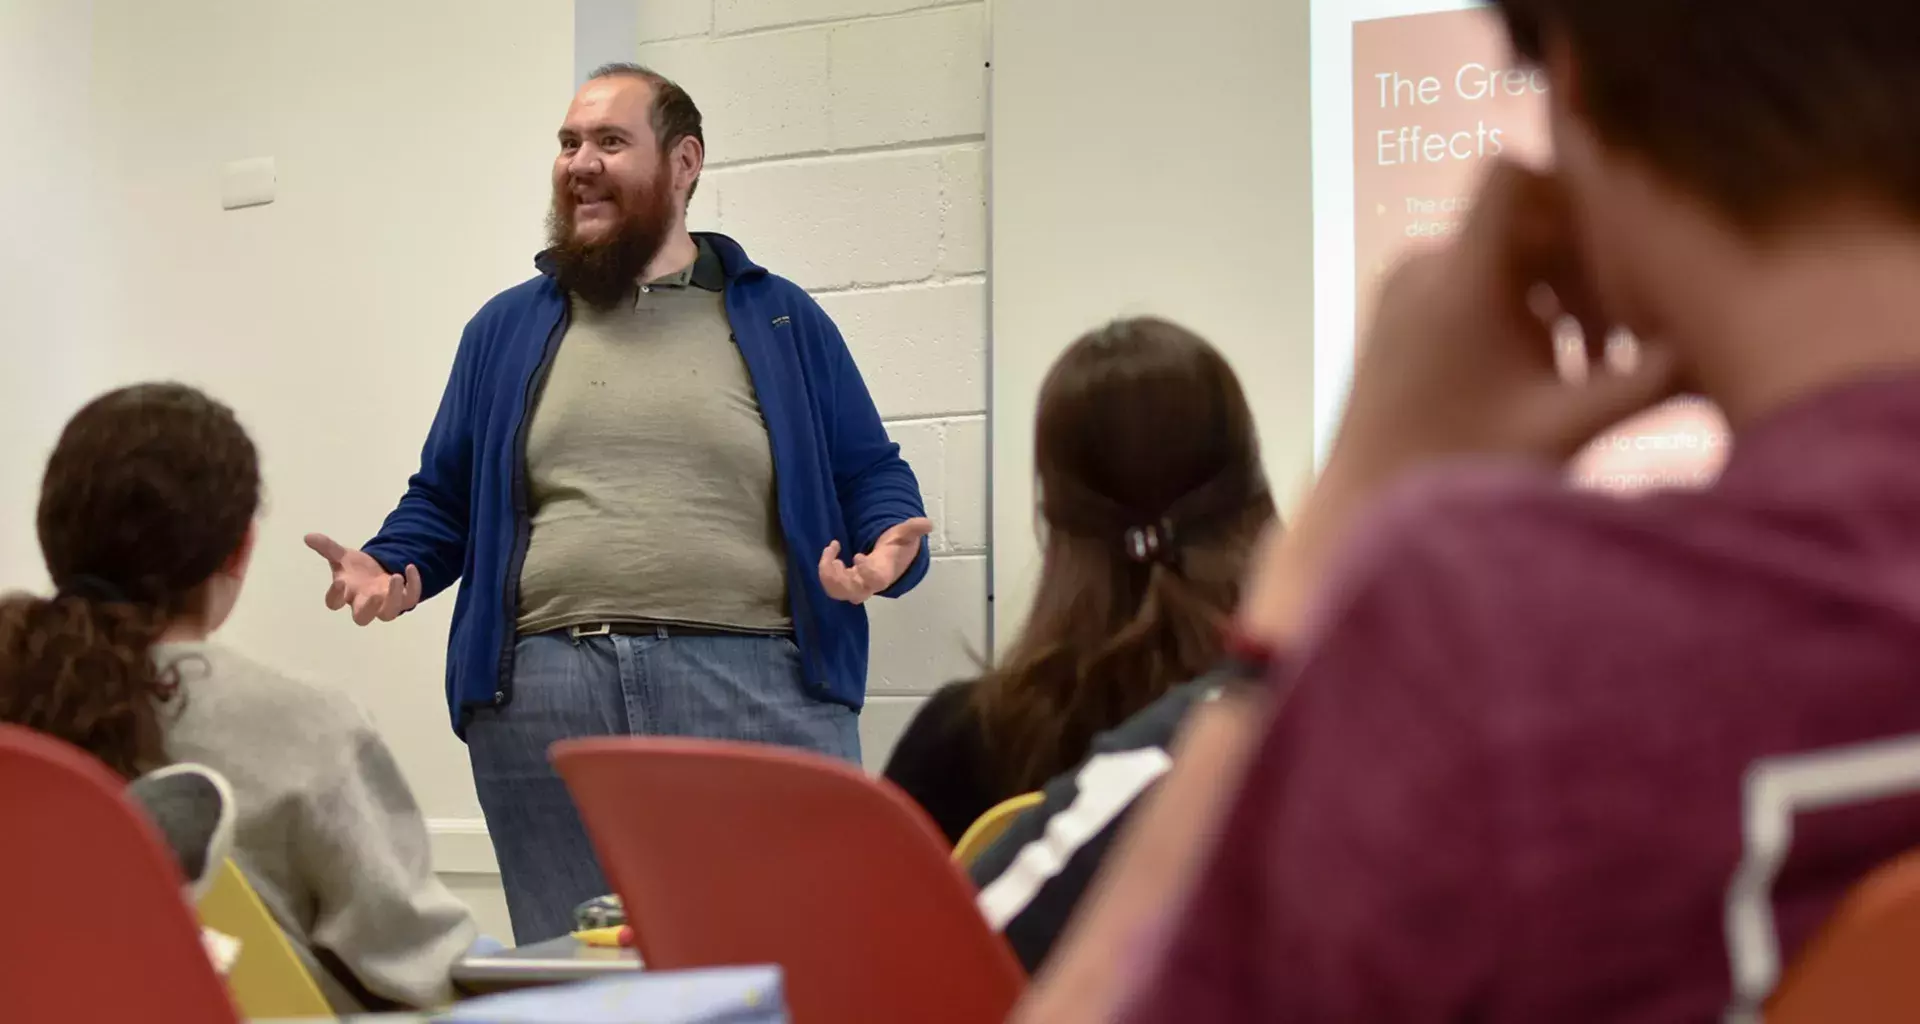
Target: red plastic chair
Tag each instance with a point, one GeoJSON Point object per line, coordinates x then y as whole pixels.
{"type": "Point", "coordinates": [1860, 968]}
{"type": "Point", "coordinates": [93, 924]}
{"type": "Point", "coordinates": [736, 853]}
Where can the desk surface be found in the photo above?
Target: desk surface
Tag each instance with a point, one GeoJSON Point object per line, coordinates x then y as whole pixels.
{"type": "Point", "coordinates": [552, 962]}
{"type": "Point", "coordinates": [543, 963]}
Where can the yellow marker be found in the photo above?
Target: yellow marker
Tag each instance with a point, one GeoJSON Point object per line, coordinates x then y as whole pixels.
{"type": "Point", "coordinates": [603, 937]}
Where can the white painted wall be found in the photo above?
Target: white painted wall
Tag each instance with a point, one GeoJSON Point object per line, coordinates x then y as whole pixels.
{"type": "Point", "coordinates": [1147, 158]}
{"type": "Point", "coordinates": [413, 142]}
{"type": "Point", "coordinates": [845, 150]}
{"type": "Point", "coordinates": [51, 280]}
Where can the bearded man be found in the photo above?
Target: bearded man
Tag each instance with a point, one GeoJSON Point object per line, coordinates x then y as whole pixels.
{"type": "Point", "coordinates": [648, 469]}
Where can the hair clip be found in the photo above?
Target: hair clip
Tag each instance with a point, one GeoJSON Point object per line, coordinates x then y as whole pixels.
{"type": "Point", "coordinates": [1148, 543]}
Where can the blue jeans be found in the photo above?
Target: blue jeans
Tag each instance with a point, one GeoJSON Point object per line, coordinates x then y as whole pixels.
{"type": "Point", "coordinates": [662, 684]}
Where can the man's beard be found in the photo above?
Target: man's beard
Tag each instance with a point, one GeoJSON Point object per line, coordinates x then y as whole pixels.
{"type": "Point", "coordinates": [604, 273]}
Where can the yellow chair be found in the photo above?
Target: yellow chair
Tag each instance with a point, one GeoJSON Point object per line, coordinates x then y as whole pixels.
{"type": "Point", "coordinates": [991, 826]}
{"type": "Point", "coordinates": [269, 980]}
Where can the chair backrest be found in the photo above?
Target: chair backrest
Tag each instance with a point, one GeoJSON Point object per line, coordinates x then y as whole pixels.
{"type": "Point", "coordinates": [93, 923]}
{"type": "Point", "coordinates": [734, 853]}
{"type": "Point", "coordinates": [1864, 965]}
{"type": "Point", "coordinates": [991, 826]}
{"type": "Point", "coordinates": [268, 980]}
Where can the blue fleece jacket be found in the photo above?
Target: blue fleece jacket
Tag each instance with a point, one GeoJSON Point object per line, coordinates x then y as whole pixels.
{"type": "Point", "coordinates": [838, 477]}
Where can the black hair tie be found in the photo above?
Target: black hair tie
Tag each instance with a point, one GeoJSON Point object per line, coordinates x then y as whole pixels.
{"type": "Point", "coordinates": [92, 588]}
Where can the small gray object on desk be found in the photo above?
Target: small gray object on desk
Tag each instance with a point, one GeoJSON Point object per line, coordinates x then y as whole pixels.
{"type": "Point", "coordinates": [553, 962]}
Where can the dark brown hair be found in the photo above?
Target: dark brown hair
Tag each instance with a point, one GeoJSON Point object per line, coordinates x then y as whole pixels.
{"type": "Point", "coordinates": [673, 114]}
{"type": "Point", "coordinates": [149, 492]}
{"type": "Point", "coordinates": [1761, 107]}
{"type": "Point", "coordinates": [1152, 497]}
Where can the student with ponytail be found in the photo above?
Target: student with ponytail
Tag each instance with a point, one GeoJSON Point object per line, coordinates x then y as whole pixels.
{"type": "Point", "coordinates": [146, 521]}
{"type": "Point", "coordinates": [1151, 500]}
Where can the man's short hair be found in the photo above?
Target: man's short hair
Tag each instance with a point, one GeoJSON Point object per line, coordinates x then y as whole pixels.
{"type": "Point", "coordinates": [673, 115]}
{"type": "Point", "coordinates": [1759, 106]}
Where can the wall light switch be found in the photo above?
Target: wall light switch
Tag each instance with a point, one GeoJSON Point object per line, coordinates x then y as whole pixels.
{"type": "Point", "coordinates": [247, 183]}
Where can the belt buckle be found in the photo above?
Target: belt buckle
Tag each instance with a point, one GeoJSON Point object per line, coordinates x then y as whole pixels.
{"type": "Point", "coordinates": [603, 629]}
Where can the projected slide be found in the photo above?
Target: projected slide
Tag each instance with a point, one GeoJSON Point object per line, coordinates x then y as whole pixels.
{"type": "Point", "coordinates": [1410, 98]}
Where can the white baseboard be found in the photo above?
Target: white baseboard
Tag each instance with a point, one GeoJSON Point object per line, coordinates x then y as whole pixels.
{"type": "Point", "coordinates": [461, 846]}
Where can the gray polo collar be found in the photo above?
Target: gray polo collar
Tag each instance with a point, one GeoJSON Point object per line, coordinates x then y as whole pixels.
{"type": "Point", "coordinates": [704, 273]}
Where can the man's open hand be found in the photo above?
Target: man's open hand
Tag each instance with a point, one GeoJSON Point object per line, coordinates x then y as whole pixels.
{"type": "Point", "coordinates": [365, 585]}
{"type": "Point", "coordinates": [876, 570]}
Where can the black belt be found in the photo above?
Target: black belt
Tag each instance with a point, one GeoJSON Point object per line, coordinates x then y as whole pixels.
{"type": "Point", "coordinates": [663, 630]}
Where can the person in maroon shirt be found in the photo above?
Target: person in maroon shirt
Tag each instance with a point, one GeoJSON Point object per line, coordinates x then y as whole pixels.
{"type": "Point", "coordinates": [1542, 754]}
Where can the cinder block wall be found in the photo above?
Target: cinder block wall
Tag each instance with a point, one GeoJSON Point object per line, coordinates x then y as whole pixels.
{"type": "Point", "coordinates": [846, 151]}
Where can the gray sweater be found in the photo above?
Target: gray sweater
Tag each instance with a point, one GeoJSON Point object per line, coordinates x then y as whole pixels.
{"type": "Point", "coordinates": [327, 830]}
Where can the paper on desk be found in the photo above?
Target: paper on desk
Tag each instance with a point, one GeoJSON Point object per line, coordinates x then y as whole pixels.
{"type": "Point", "coordinates": [720, 995]}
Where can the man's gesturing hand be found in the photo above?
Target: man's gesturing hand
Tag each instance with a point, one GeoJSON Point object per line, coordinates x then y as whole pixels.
{"type": "Point", "coordinates": [365, 585]}
{"type": "Point", "coordinates": [876, 570]}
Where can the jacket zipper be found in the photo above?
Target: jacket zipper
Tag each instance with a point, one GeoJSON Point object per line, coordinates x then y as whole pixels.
{"type": "Point", "coordinates": [522, 521]}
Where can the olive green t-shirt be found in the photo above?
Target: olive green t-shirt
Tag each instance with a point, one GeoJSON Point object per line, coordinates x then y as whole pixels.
{"type": "Point", "coordinates": [650, 473]}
